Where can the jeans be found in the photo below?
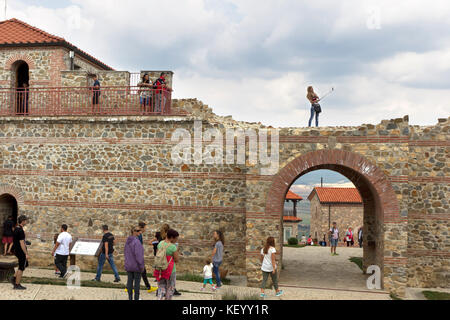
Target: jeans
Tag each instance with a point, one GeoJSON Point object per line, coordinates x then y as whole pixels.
{"type": "Point", "coordinates": [216, 271]}
{"type": "Point", "coordinates": [133, 283]}
{"type": "Point", "coordinates": [101, 262]}
{"type": "Point", "coordinates": [61, 264]}
{"type": "Point", "coordinates": [312, 116]}
{"type": "Point", "coordinates": [274, 279]}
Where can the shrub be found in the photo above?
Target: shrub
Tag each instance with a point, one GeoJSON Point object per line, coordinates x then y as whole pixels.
{"type": "Point", "coordinates": [293, 241]}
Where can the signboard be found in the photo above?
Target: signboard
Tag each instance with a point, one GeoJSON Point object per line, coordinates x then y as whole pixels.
{"type": "Point", "coordinates": [86, 247]}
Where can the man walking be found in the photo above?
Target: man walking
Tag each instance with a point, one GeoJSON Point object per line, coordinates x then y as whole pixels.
{"type": "Point", "coordinates": [142, 226]}
{"type": "Point", "coordinates": [61, 250]}
{"type": "Point", "coordinates": [108, 243]}
{"type": "Point", "coordinates": [8, 227]}
{"type": "Point", "coordinates": [334, 238]}
{"type": "Point", "coordinates": [20, 251]}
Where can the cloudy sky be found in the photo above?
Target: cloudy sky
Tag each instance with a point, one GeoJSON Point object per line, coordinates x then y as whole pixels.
{"type": "Point", "coordinates": [254, 59]}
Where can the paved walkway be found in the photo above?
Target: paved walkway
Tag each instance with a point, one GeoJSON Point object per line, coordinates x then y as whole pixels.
{"type": "Point", "coordinates": [190, 291]}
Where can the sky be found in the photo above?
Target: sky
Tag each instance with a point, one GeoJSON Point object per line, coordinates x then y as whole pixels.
{"type": "Point", "coordinates": [254, 59]}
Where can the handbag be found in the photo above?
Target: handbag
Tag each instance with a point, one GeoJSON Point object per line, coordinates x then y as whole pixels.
{"type": "Point", "coordinates": [317, 108]}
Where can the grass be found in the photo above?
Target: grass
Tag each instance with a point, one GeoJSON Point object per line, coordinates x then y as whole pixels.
{"type": "Point", "coordinates": [394, 296]}
{"type": "Point", "coordinates": [434, 295]}
{"type": "Point", "coordinates": [232, 295]}
{"type": "Point", "coordinates": [358, 261]}
{"type": "Point", "coordinates": [196, 278]}
{"type": "Point", "coordinates": [294, 245]}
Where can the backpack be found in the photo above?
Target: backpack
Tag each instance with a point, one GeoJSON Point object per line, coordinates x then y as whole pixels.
{"type": "Point", "coordinates": [161, 262]}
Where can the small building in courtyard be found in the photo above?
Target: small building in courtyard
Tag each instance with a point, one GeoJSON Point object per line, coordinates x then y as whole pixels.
{"type": "Point", "coordinates": [290, 219]}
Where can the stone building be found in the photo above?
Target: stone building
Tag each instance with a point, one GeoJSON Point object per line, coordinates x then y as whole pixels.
{"type": "Point", "coordinates": [118, 168]}
{"type": "Point", "coordinates": [341, 205]}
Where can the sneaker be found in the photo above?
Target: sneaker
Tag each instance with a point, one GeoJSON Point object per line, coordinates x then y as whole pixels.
{"type": "Point", "coordinates": [152, 289]}
{"type": "Point", "coordinates": [203, 289]}
{"type": "Point", "coordinates": [19, 287]}
{"type": "Point", "coordinates": [95, 280]}
{"type": "Point", "coordinates": [336, 254]}
{"type": "Point", "coordinates": [279, 293]}
{"type": "Point", "coordinates": [176, 293]}
{"type": "Point", "coordinates": [262, 295]}
{"type": "Point", "coordinates": [57, 272]}
{"type": "Point", "coordinates": [117, 280]}
{"type": "Point", "coordinates": [214, 288]}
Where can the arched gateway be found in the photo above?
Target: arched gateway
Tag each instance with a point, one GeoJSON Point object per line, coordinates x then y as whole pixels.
{"type": "Point", "coordinates": [381, 210]}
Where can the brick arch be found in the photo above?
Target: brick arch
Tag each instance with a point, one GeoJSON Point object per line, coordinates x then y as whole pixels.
{"type": "Point", "coordinates": [16, 193]}
{"type": "Point", "coordinates": [326, 159]}
{"type": "Point", "coordinates": [19, 57]}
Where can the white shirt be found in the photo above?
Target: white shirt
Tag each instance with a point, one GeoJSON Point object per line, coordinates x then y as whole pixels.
{"type": "Point", "coordinates": [64, 240]}
{"type": "Point", "coordinates": [207, 271]}
{"type": "Point", "coordinates": [267, 261]}
{"type": "Point", "coordinates": [335, 234]}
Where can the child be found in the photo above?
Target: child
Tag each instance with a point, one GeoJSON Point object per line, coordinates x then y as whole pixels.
{"type": "Point", "coordinates": [207, 274]}
{"type": "Point", "coordinates": [269, 266]}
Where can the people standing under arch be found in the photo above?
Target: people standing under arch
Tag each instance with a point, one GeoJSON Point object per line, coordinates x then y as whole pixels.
{"type": "Point", "coordinates": [20, 251]}
{"type": "Point", "coordinates": [166, 277]}
{"type": "Point", "coordinates": [269, 266]}
{"type": "Point", "coordinates": [315, 106]}
{"type": "Point", "coordinates": [360, 237]}
{"type": "Point", "coordinates": [134, 263]}
{"type": "Point", "coordinates": [61, 250]}
{"type": "Point", "coordinates": [8, 232]}
{"type": "Point", "coordinates": [334, 238]}
{"type": "Point", "coordinates": [217, 255]}
{"type": "Point", "coordinates": [349, 237]}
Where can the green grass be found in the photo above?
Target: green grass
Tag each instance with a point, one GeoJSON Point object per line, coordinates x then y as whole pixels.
{"type": "Point", "coordinates": [434, 295]}
{"type": "Point", "coordinates": [358, 261]}
{"type": "Point", "coordinates": [294, 245]}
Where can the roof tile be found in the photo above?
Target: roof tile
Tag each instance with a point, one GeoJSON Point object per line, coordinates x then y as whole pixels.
{"type": "Point", "coordinates": [336, 195]}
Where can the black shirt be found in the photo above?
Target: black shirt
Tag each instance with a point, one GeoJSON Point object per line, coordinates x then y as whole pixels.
{"type": "Point", "coordinates": [8, 228]}
{"type": "Point", "coordinates": [108, 237]}
{"type": "Point", "coordinates": [19, 234]}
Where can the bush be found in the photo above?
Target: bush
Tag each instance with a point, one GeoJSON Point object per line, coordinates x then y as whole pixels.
{"type": "Point", "coordinates": [293, 241]}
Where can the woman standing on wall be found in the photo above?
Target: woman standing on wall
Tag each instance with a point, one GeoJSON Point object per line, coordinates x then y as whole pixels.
{"type": "Point", "coordinates": [217, 255]}
{"type": "Point", "coordinates": [315, 106]}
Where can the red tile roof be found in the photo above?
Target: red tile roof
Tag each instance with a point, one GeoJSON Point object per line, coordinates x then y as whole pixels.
{"type": "Point", "coordinates": [336, 195]}
{"type": "Point", "coordinates": [14, 32]}
{"type": "Point", "coordinates": [292, 196]}
{"type": "Point", "coordinates": [291, 219]}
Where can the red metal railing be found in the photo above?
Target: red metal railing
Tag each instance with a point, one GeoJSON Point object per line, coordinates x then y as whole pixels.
{"type": "Point", "coordinates": [68, 101]}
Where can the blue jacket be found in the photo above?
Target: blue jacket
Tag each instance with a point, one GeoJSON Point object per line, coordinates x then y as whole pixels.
{"type": "Point", "coordinates": [134, 255]}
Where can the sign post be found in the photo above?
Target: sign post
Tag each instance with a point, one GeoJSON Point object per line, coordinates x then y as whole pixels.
{"type": "Point", "coordinates": [84, 247]}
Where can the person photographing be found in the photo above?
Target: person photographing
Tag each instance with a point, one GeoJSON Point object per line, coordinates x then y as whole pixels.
{"type": "Point", "coordinates": [315, 106]}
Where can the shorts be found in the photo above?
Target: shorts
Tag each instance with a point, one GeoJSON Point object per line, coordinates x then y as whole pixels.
{"type": "Point", "coordinates": [205, 281]}
{"type": "Point", "coordinates": [334, 242]}
{"type": "Point", "coordinates": [23, 262]}
{"type": "Point", "coordinates": [7, 240]}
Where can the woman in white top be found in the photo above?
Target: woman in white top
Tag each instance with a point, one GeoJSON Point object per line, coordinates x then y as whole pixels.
{"type": "Point", "coordinates": [269, 266]}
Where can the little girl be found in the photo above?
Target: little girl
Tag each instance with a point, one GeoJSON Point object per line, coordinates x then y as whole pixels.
{"type": "Point", "coordinates": [207, 274]}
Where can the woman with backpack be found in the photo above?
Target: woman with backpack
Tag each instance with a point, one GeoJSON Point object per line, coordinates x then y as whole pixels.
{"type": "Point", "coordinates": [315, 106]}
{"type": "Point", "coordinates": [165, 271]}
{"type": "Point", "coordinates": [269, 266]}
{"type": "Point", "coordinates": [134, 263]}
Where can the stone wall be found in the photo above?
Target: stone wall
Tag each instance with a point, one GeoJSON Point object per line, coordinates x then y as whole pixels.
{"type": "Point", "coordinates": [118, 170]}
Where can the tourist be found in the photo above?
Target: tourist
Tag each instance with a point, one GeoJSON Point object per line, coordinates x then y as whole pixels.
{"type": "Point", "coordinates": [166, 278]}
{"type": "Point", "coordinates": [145, 92]}
{"type": "Point", "coordinates": [314, 99]}
{"type": "Point", "coordinates": [360, 237]}
{"type": "Point", "coordinates": [95, 94]}
{"type": "Point", "coordinates": [207, 274]}
{"type": "Point", "coordinates": [217, 255]}
{"type": "Point", "coordinates": [142, 226]}
{"type": "Point", "coordinates": [164, 229]}
{"type": "Point", "coordinates": [310, 241]}
{"type": "Point", "coordinates": [161, 86]}
{"type": "Point", "coordinates": [55, 237]}
{"type": "Point", "coordinates": [334, 238]}
{"type": "Point", "coordinates": [134, 263]}
{"type": "Point", "coordinates": [349, 237]}
{"type": "Point", "coordinates": [269, 266]}
{"type": "Point", "coordinates": [155, 241]}
{"type": "Point", "coordinates": [20, 251]}
{"type": "Point", "coordinates": [108, 243]}
{"type": "Point", "coordinates": [7, 239]}
{"type": "Point", "coordinates": [61, 250]}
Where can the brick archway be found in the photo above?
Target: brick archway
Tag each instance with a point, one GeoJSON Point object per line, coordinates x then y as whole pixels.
{"type": "Point", "coordinates": [16, 193]}
{"type": "Point", "coordinates": [380, 202]}
{"type": "Point", "coordinates": [19, 57]}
